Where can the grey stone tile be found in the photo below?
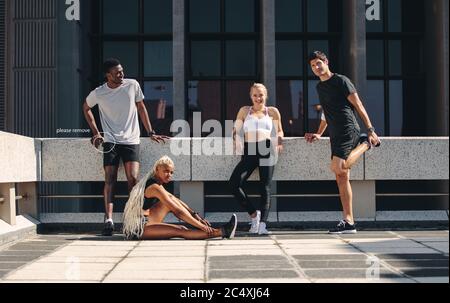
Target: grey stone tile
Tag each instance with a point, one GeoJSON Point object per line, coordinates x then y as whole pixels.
{"type": "Point", "coordinates": [426, 272]}
{"type": "Point", "coordinates": [33, 247]}
{"type": "Point", "coordinates": [412, 256]}
{"type": "Point", "coordinates": [245, 258]}
{"type": "Point", "coordinates": [326, 264]}
{"type": "Point", "coordinates": [3, 273]}
{"type": "Point", "coordinates": [266, 264]}
{"type": "Point", "coordinates": [419, 263]}
{"type": "Point", "coordinates": [352, 257]}
{"type": "Point", "coordinates": [323, 235]}
{"type": "Point", "coordinates": [347, 274]}
{"type": "Point", "coordinates": [252, 274]}
{"type": "Point", "coordinates": [28, 253]}
{"type": "Point", "coordinates": [17, 258]}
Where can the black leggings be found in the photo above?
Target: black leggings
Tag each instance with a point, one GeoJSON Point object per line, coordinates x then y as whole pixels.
{"type": "Point", "coordinates": [249, 162]}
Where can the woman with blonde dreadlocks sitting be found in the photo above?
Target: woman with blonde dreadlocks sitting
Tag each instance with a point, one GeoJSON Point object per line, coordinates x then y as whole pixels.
{"type": "Point", "coordinates": [151, 187]}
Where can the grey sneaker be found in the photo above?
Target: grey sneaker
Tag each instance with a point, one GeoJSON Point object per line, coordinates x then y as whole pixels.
{"type": "Point", "coordinates": [343, 227]}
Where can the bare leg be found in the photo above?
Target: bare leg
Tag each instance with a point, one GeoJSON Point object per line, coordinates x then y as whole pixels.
{"type": "Point", "coordinates": [355, 155]}
{"type": "Point", "coordinates": [345, 189]}
{"type": "Point", "coordinates": [108, 190]}
{"type": "Point", "coordinates": [156, 229]}
{"type": "Point", "coordinates": [160, 231]}
{"type": "Point", "coordinates": [132, 172]}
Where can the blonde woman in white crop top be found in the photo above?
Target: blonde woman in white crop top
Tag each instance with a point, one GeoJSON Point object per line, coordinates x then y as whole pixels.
{"type": "Point", "coordinates": [263, 135]}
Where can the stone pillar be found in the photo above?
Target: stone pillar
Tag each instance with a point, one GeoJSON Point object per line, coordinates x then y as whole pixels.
{"type": "Point", "coordinates": [436, 67]}
{"type": "Point", "coordinates": [192, 193]}
{"type": "Point", "coordinates": [353, 52]}
{"type": "Point", "coordinates": [8, 205]}
{"type": "Point", "coordinates": [179, 85]}
{"type": "Point", "coordinates": [268, 48]}
{"type": "Point", "coordinates": [28, 205]}
{"type": "Point", "coordinates": [364, 199]}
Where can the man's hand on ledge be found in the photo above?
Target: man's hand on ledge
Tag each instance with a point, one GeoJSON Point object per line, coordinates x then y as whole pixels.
{"type": "Point", "coordinates": [311, 138]}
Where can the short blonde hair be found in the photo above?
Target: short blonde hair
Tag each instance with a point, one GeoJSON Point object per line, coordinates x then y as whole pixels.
{"type": "Point", "coordinates": [164, 160]}
{"type": "Point", "coordinates": [261, 87]}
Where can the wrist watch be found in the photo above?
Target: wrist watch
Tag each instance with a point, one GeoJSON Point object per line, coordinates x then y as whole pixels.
{"type": "Point", "coordinates": [371, 130]}
{"type": "Point", "coordinates": [151, 133]}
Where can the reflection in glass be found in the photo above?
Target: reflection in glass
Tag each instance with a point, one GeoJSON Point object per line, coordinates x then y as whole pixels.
{"type": "Point", "coordinates": [126, 53]}
{"type": "Point", "coordinates": [395, 58]}
{"type": "Point", "coordinates": [290, 100]}
{"type": "Point", "coordinates": [317, 15]}
{"type": "Point", "coordinates": [204, 16]}
{"type": "Point", "coordinates": [159, 103]}
{"type": "Point", "coordinates": [158, 59]}
{"type": "Point", "coordinates": [374, 105]}
{"type": "Point", "coordinates": [240, 16]}
{"type": "Point", "coordinates": [289, 58]}
{"type": "Point", "coordinates": [240, 58]}
{"type": "Point", "coordinates": [396, 107]}
{"type": "Point", "coordinates": [204, 97]}
{"type": "Point", "coordinates": [237, 95]}
{"type": "Point", "coordinates": [394, 15]}
{"type": "Point", "coordinates": [205, 58]}
{"type": "Point", "coordinates": [157, 16]}
{"type": "Point", "coordinates": [288, 16]}
{"type": "Point", "coordinates": [120, 17]}
{"type": "Point", "coordinates": [375, 58]}
{"type": "Point", "coordinates": [314, 108]}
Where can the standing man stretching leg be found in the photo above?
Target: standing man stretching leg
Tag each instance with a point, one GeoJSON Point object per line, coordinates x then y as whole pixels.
{"type": "Point", "coordinates": [120, 101]}
{"type": "Point", "coordinates": [339, 100]}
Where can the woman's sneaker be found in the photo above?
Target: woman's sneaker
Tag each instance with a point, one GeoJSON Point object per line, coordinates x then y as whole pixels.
{"type": "Point", "coordinates": [254, 228]}
{"type": "Point", "coordinates": [343, 227]}
{"type": "Point", "coordinates": [229, 229]}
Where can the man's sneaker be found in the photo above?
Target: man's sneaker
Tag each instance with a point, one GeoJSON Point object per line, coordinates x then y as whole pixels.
{"type": "Point", "coordinates": [108, 229]}
{"type": "Point", "coordinates": [343, 227]}
{"type": "Point", "coordinates": [364, 138]}
{"type": "Point", "coordinates": [255, 223]}
{"type": "Point", "coordinates": [229, 229]}
{"type": "Point", "coordinates": [262, 229]}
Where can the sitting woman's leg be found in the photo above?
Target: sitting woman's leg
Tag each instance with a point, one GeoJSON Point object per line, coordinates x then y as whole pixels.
{"type": "Point", "coordinates": [162, 231]}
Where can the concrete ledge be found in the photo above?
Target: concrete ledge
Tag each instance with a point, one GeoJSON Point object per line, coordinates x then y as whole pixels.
{"type": "Point", "coordinates": [299, 161]}
{"type": "Point", "coordinates": [19, 158]}
{"type": "Point", "coordinates": [77, 160]}
{"type": "Point", "coordinates": [26, 227]}
{"type": "Point", "coordinates": [403, 158]}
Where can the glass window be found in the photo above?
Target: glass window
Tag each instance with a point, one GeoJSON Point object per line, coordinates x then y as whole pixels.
{"type": "Point", "coordinates": [288, 16]}
{"type": "Point", "coordinates": [204, 16]}
{"type": "Point", "coordinates": [314, 45]}
{"type": "Point", "coordinates": [159, 103]}
{"type": "Point", "coordinates": [374, 105]}
{"type": "Point", "coordinates": [240, 58]}
{"type": "Point", "coordinates": [314, 108]}
{"type": "Point", "coordinates": [317, 15]}
{"type": "Point", "coordinates": [158, 59]}
{"type": "Point", "coordinates": [289, 58]}
{"type": "Point", "coordinates": [290, 100]}
{"type": "Point", "coordinates": [240, 16]}
{"type": "Point", "coordinates": [204, 97]}
{"type": "Point", "coordinates": [237, 95]}
{"type": "Point", "coordinates": [375, 58]}
{"type": "Point", "coordinates": [205, 58]}
{"type": "Point", "coordinates": [120, 17]}
{"type": "Point", "coordinates": [394, 15]}
{"type": "Point", "coordinates": [126, 53]}
{"type": "Point", "coordinates": [376, 23]}
{"type": "Point", "coordinates": [396, 107]}
{"type": "Point", "coordinates": [395, 58]}
{"type": "Point", "coordinates": [157, 16]}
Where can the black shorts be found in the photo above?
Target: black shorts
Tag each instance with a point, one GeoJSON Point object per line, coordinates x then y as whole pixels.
{"type": "Point", "coordinates": [342, 146]}
{"type": "Point", "coordinates": [114, 152]}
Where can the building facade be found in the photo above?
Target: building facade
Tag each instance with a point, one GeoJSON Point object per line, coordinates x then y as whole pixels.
{"type": "Point", "coordinates": [203, 55]}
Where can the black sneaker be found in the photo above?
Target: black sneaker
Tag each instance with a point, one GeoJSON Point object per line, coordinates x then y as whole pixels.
{"type": "Point", "coordinates": [343, 227]}
{"type": "Point", "coordinates": [364, 138]}
{"type": "Point", "coordinates": [229, 229]}
{"type": "Point", "coordinates": [108, 229]}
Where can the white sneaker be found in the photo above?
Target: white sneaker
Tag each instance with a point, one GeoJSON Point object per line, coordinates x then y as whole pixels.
{"type": "Point", "coordinates": [255, 223]}
{"type": "Point", "coordinates": [262, 229]}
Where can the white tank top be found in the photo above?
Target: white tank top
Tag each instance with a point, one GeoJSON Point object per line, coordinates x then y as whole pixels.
{"type": "Point", "coordinates": [256, 125]}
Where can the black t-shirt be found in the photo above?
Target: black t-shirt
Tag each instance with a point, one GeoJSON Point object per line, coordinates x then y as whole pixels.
{"type": "Point", "coordinates": [149, 202]}
{"type": "Point", "coordinates": [339, 112]}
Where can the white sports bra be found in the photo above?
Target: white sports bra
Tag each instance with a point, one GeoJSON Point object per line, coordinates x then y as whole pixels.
{"type": "Point", "coordinates": [254, 124]}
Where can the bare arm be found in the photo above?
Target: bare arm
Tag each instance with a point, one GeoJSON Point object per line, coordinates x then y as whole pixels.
{"type": "Point", "coordinates": [191, 211]}
{"type": "Point", "coordinates": [89, 116]}
{"type": "Point", "coordinates": [356, 102]}
{"type": "Point", "coordinates": [310, 137]}
{"type": "Point", "coordinates": [143, 114]}
{"type": "Point", "coordinates": [239, 121]}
